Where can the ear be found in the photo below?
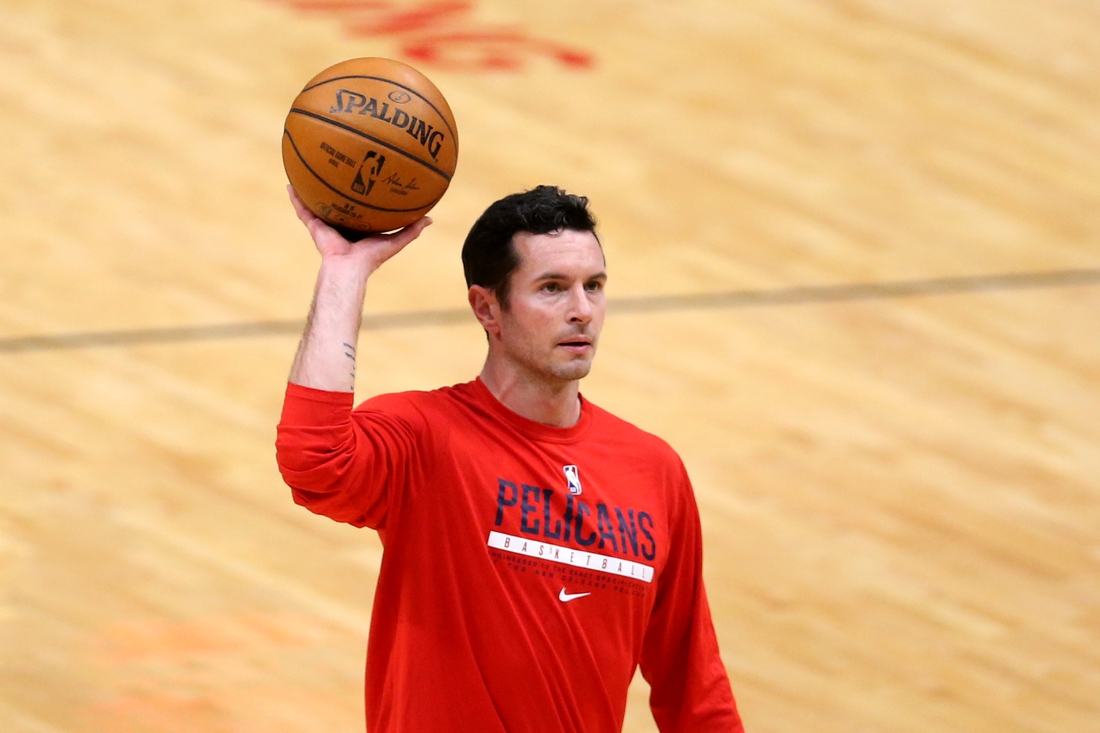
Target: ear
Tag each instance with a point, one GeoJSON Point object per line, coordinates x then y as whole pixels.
{"type": "Point", "coordinates": [486, 308]}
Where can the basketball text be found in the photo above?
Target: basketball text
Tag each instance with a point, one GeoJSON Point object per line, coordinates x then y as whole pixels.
{"type": "Point", "coordinates": [349, 102]}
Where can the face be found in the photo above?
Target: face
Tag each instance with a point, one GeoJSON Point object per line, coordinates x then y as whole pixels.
{"type": "Point", "coordinates": [556, 305]}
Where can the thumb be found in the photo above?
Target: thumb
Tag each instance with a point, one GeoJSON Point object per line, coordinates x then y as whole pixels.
{"type": "Point", "coordinates": [402, 237]}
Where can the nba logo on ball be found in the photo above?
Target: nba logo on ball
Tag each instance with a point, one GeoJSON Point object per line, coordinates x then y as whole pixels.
{"type": "Point", "coordinates": [573, 479]}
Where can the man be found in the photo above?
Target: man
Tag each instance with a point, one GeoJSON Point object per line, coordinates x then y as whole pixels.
{"type": "Point", "coordinates": [537, 548]}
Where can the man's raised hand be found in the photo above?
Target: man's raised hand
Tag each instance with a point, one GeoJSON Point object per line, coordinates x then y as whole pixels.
{"type": "Point", "coordinates": [372, 250]}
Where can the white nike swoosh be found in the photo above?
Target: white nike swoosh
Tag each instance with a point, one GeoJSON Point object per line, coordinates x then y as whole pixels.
{"type": "Point", "coordinates": [566, 597]}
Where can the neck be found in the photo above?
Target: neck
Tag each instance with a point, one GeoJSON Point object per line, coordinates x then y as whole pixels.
{"type": "Point", "coordinates": [549, 403]}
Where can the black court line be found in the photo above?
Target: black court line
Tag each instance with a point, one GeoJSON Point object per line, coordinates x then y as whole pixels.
{"type": "Point", "coordinates": [138, 337]}
{"type": "Point", "coordinates": [642, 304]}
{"type": "Point", "coordinates": [860, 291]}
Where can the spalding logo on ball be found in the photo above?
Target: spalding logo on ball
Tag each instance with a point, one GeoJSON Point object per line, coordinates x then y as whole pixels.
{"type": "Point", "coordinates": [370, 145]}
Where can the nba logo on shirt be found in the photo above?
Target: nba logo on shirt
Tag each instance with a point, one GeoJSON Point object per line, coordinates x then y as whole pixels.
{"type": "Point", "coordinates": [573, 478]}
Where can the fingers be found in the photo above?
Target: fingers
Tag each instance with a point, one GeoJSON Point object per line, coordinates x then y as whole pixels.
{"type": "Point", "coordinates": [304, 214]}
{"type": "Point", "coordinates": [391, 244]}
{"type": "Point", "coordinates": [403, 236]}
{"type": "Point", "coordinates": [324, 236]}
{"type": "Point", "coordinates": [315, 224]}
{"type": "Point", "coordinates": [331, 241]}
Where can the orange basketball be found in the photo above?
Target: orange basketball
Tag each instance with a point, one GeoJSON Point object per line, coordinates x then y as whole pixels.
{"type": "Point", "coordinates": [370, 145]}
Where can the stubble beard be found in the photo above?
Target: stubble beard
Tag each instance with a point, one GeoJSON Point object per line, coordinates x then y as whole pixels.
{"type": "Point", "coordinates": [550, 371]}
{"type": "Point", "coordinates": [572, 370]}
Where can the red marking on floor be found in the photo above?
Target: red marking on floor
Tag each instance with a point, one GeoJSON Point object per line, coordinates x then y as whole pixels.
{"type": "Point", "coordinates": [445, 35]}
{"type": "Point", "coordinates": [233, 673]}
{"type": "Point", "coordinates": [166, 639]}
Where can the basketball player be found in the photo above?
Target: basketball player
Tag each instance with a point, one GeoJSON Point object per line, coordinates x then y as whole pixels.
{"type": "Point", "coordinates": [537, 548]}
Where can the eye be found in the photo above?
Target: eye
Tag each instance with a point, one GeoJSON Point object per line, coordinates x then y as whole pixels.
{"type": "Point", "coordinates": [551, 287]}
{"type": "Point", "coordinates": [594, 286]}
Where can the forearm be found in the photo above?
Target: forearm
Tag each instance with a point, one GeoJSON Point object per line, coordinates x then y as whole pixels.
{"type": "Point", "coordinates": [326, 354]}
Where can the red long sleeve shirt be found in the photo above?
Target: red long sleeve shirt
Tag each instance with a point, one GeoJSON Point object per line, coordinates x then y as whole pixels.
{"type": "Point", "coordinates": [527, 571]}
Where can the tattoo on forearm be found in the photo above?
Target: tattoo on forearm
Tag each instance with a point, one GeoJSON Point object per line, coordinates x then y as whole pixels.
{"type": "Point", "coordinates": [350, 353]}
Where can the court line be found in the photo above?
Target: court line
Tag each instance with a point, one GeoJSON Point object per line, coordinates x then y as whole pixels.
{"type": "Point", "coordinates": [640, 304]}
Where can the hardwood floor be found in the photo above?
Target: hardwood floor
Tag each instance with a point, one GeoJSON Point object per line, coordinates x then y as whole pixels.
{"type": "Point", "coordinates": [854, 250]}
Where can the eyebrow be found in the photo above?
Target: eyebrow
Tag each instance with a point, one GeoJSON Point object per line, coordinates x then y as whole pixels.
{"type": "Point", "coordinates": [601, 275]}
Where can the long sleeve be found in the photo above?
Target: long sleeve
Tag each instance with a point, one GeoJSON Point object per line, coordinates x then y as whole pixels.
{"type": "Point", "coordinates": [346, 465]}
{"type": "Point", "coordinates": [690, 691]}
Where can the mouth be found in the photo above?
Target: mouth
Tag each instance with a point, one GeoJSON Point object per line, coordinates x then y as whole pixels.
{"type": "Point", "coordinates": [576, 345]}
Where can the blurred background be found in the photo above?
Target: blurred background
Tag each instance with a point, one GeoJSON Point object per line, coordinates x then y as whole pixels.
{"type": "Point", "coordinates": [854, 249]}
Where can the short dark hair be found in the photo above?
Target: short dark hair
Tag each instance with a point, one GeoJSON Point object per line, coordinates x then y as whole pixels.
{"type": "Point", "coordinates": [489, 254]}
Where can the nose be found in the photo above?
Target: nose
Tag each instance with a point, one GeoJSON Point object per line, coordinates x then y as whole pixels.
{"type": "Point", "coordinates": [580, 307]}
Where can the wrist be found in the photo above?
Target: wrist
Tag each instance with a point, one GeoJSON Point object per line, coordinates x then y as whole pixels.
{"type": "Point", "coordinates": [355, 265]}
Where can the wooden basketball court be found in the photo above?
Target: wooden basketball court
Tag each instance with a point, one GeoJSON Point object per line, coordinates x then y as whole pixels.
{"type": "Point", "coordinates": [854, 250]}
